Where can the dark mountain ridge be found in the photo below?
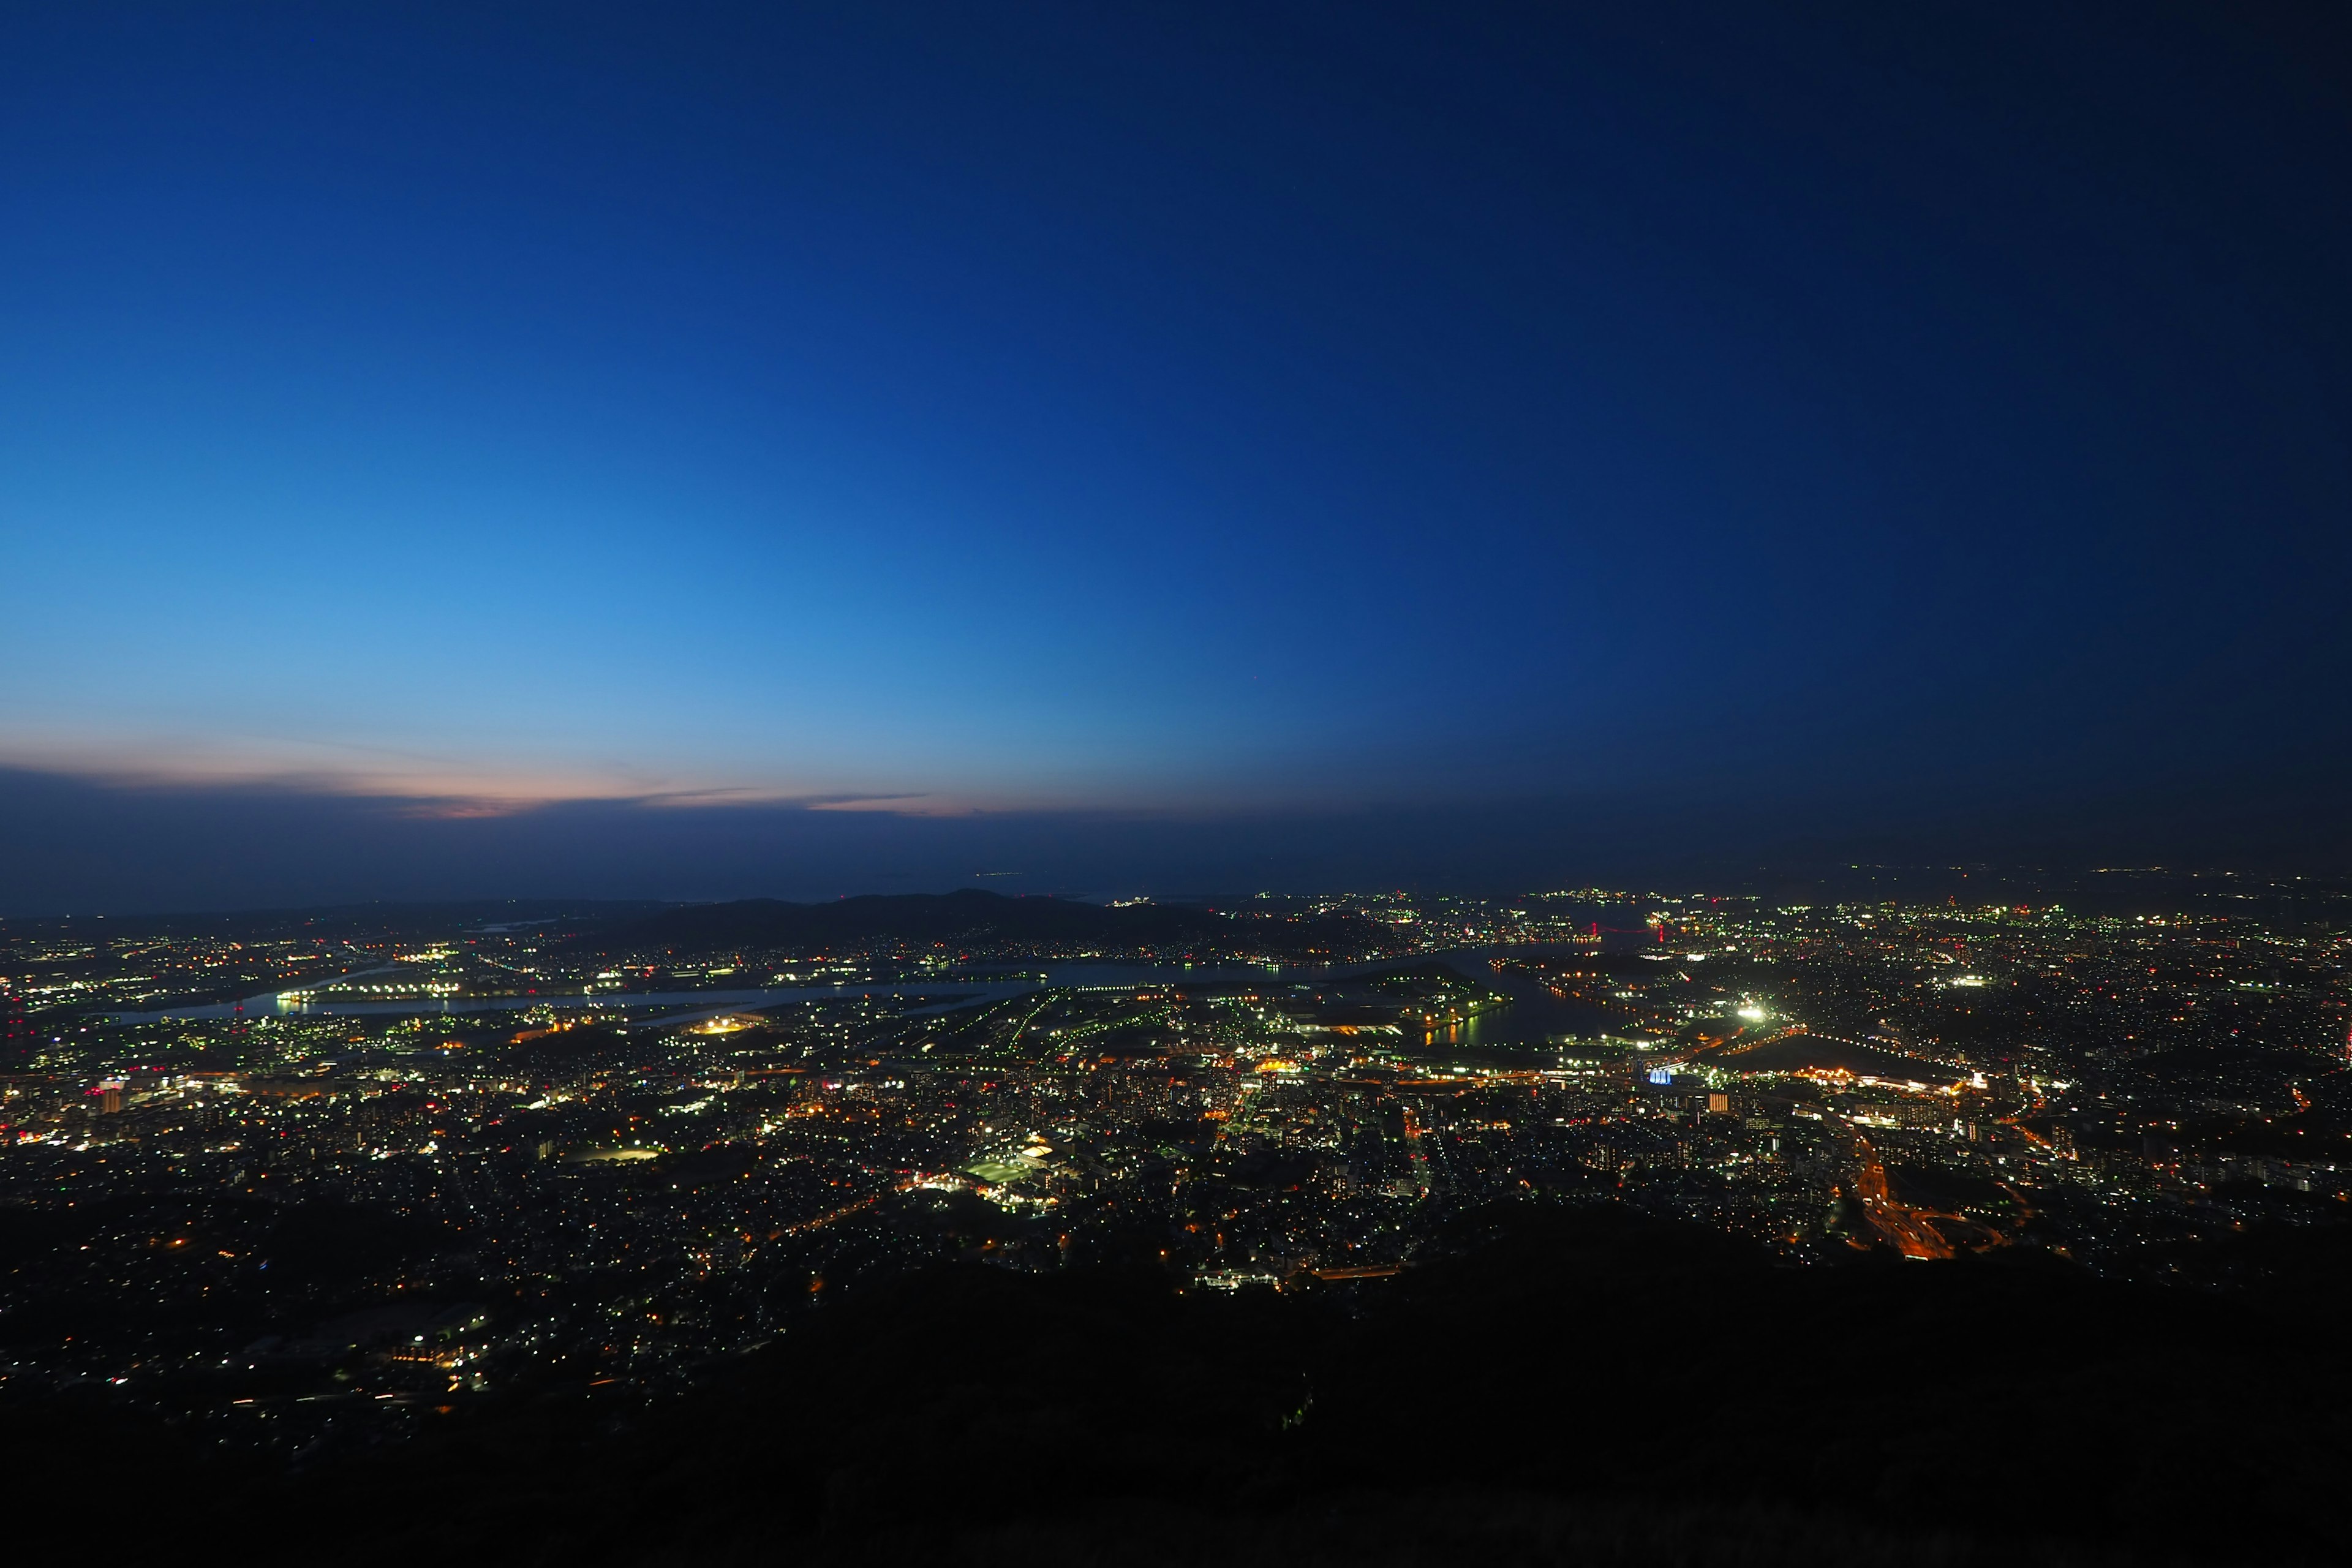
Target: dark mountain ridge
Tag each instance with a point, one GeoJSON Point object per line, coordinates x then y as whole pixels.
{"type": "Point", "coordinates": [969, 917]}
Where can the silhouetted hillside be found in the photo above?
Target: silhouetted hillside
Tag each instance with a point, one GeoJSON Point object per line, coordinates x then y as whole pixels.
{"type": "Point", "coordinates": [1589, 1387]}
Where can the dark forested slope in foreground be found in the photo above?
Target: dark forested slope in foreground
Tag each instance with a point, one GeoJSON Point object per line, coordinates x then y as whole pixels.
{"type": "Point", "coordinates": [1588, 1387]}
{"type": "Point", "coordinates": [968, 920]}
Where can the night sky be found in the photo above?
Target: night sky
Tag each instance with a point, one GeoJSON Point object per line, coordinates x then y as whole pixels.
{"type": "Point", "coordinates": [686, 450]}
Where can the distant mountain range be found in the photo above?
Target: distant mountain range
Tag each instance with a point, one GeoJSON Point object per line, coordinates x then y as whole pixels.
{"type": "Point", "coordinates": [971, 918]}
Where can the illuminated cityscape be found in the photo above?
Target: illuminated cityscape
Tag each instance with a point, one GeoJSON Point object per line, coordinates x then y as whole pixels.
{"type": "Point", "coordinates": [294, 1176]}
{"type": "Point", "coordinates": [1040, 786]}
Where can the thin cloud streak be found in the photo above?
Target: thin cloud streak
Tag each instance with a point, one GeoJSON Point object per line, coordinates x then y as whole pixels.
{"type": "Point", "coordinates": [424, 785]}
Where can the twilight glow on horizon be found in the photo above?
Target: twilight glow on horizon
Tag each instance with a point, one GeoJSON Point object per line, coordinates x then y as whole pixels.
{"type": "Point", "coordinates": [938, 409]}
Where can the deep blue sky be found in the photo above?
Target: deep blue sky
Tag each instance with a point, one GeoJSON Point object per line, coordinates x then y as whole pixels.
{"type": "Point", "coordinates": [1451, 415]}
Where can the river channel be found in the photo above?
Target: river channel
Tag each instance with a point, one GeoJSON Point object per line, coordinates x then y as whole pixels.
{"type": "Point", "coordinates": [1535, 1014]}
